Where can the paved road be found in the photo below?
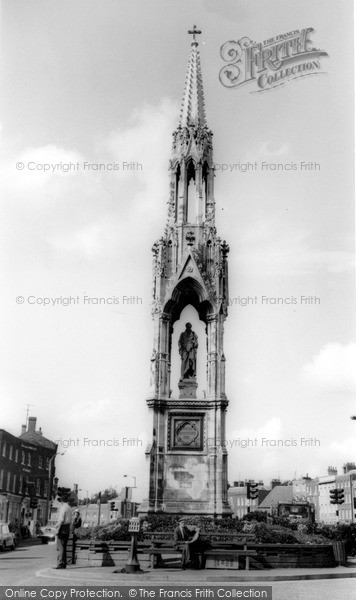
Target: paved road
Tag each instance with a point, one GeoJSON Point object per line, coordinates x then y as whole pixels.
{"type": "Point", "coordinates": [20, 567]}
{"type": "Point", "coordinates": [326, 589]}
{"type": "Point", "coordinates": [31, 565]}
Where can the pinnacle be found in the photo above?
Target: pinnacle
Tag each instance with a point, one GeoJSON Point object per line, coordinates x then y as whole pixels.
{"type": "Point", "coordinates": [193, 105]}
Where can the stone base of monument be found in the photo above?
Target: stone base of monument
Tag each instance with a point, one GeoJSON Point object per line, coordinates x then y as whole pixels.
{"type": "Point", "coordinates": [187, 388]}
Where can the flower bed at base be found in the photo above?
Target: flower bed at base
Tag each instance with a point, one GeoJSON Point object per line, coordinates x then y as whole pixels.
{"type": "Point", "coordinates": [279, 532]}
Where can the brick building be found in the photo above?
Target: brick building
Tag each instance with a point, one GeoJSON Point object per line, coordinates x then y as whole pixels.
{"type": "Point", "coordinates": [26, 472]}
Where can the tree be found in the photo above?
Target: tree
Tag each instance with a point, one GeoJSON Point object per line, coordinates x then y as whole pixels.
{"type": "Point", "coordinates": [106, 495]}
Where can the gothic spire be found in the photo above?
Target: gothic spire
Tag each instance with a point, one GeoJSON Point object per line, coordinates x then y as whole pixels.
{"type": "Point", "coordinates": [193, 105]}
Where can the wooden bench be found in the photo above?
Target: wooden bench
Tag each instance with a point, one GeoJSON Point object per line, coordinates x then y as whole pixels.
{"type": "Point", "coordinates": [156, 552]}
{"type": "Point", "coordinates": [226, 540]}
{"type": "Point", "coordinates": [219, 544]}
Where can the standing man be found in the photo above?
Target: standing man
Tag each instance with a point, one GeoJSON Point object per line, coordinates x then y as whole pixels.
{"type": "Point", "coordinates": [63, 531]}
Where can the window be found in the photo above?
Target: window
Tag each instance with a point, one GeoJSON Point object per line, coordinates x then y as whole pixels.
{"type": "Point", "coordinates": [40, 462]}
{"type": "Point", "coordinates": [10, 452]}
{"type": "Point", "coordinates": [29, 459]}
{"type": "Point", "coordinates": [47, 462]}
{"type": "Point", "coordinates": [8, 482]}
{"type": "Point", "coordinates": [4, 449]}
{"type": "Point", "coordinates": [14, 484]}
{"type": "Point", "coordinates": [38, 487]}
{"type": "Point", "coordinates": [17, 455]}
{"type": "Point", "coordinates": [1, 477]}
{"type": "Point", "coordinates": [20, 484]}
{"type": "Point", "coordinates": [45, 491]}
{"type": "Point", "coordinates": [22, 457]}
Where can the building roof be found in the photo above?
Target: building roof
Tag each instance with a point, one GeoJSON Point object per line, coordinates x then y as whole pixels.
{"type": "Point", "coordinates": [280, 493]}
{"type": "Point", "coordinates": [9, 435]}
{"type": "Point", "coordinates": [37, 439]}
{"type": "Point", "coordinates": [193, 104]}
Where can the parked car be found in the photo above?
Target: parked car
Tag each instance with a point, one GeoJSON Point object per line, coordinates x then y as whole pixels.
{"type": "Point", "coordinates": [7, 539]}
{"type": "Point", "coordinates": [48, 533]}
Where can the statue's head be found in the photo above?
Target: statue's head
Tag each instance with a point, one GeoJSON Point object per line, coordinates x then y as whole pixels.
{"type": "Point", "coordinates": [188, 326]}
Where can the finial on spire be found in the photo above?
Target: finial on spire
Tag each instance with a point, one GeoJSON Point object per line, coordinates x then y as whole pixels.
{"type": "Point", "coordinates": [194, 32]}
{"type": "Point", "coordinates": [192, 109]}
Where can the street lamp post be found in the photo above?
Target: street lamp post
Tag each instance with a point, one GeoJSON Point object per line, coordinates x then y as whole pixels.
{"type": "Point", "coordinates": [86, 505]}
{"type": "Point", "coordinates": [353, 418]}
{"type": "Point", "coordinates": [134, 478]}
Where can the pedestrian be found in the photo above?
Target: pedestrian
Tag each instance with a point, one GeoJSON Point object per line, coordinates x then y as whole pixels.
{"type": "Point", "coordinates": [76, 523]}
{"type": "Point", "coordinates": [186, 539]}
{"type": "Point", "coordinates": [63, 531]}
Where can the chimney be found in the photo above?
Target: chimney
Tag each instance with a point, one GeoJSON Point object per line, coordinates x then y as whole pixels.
{"type": "Point", "coordinates": [23, 429]}
{"type": "Point", "coordinates": [275, 482]}
{"type": "Point", "coordinates": [349, 466]}
{"type": "Point", "coordinates": [40, 431]}
{"type": "Point", "coordinates": [32, 424]}
{"type": "Point", "coordinates": [332, 471]}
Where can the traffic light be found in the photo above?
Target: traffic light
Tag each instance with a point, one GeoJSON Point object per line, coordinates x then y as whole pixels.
{"type": "Point", "coordinates": [253, 491]}
{"type": "Point", "coordinates": [340, 496]}
{"type": "Point", "coordinates": [333, 497]}
{"type": "Point", "coordinates": [63, 493]}
{"type": "Point", "coordinates": [33, 502]}
{"type": "Point", "coordinates": [112, 505]}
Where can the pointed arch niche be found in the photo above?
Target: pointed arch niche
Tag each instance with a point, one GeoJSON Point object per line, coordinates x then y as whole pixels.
{"type": "Point", "coordinates": [188, 303]}
{"type": "Point", "coordinates": [205, 188]}
{"type": "Point", "coordinates": [191, 194]}
{"type": "Point", "coordinates": [189, 315]}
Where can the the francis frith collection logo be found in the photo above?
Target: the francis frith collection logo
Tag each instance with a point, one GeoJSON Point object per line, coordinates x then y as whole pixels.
{"type": "Point", "coordinates": [270, 63]}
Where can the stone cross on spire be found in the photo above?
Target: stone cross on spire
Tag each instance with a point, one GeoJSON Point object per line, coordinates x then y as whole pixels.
{"type": "Point", "coordinates": [194, 32]}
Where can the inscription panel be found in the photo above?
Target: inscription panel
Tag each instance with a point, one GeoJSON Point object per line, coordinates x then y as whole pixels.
{"type": "Point", "coordinates": [186, 432]}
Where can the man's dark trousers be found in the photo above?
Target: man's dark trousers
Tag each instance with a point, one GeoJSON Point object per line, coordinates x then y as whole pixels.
{"type": "Point", "coordinates": [63, 537]}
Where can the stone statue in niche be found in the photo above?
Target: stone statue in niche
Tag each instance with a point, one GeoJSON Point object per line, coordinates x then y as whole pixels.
{"type": "Point", "coordinates": [188, 344]}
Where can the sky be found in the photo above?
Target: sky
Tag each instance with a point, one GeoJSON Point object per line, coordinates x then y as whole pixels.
{"type": "Point", "coordinates": [91, 82]}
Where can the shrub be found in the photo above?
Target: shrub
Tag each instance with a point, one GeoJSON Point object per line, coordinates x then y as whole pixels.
{"type": "Point", "coordinates": [284, 522]}
{"type": "Point", "coordinates": [273, 534]}
{"type": "Point", "coordinates": [256, 515]}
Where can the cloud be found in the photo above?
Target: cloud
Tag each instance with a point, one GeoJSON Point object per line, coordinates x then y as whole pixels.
{"type": "Point", "coordinates": [342, 451]}
{"type": "Point", "coordinates": [333, 368]}
{"type": "Point", "coordinates": [278, 248]}
{"type": "Point", "coordinates": [271, 429]}
{"type": "Point", "coordinates": [87, 212]}
{"type": "Point", "coordinates": [268, 151]}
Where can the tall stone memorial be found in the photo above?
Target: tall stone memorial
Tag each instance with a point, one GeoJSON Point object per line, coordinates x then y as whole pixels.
{"type": "Point", "coordinates": [187, 456]}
